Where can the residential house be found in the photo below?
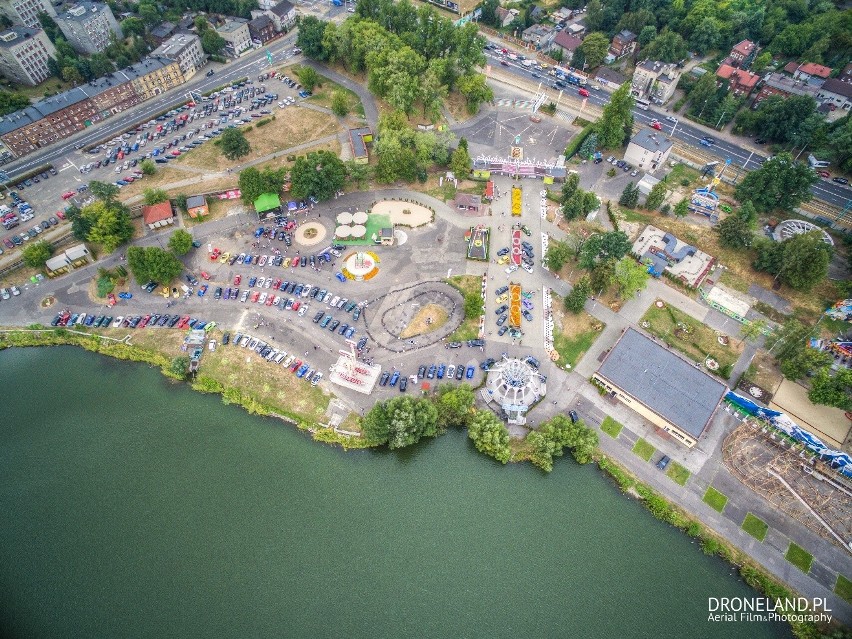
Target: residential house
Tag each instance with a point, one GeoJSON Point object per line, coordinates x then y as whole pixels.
{"type": "Point", "coordinates": [89, 27]}
{"type": "Point", "coordinates": [25, 12]}
{"type": "Point", "coordinates": [262, 29]}
{"type": "Point", "coordinates": [609, 78]}
{"type": "Point", "coordinates": [283, 16]}
{"type": "Point", "coordinates": [153, 76]}
{"type": "Point", "coordinates": [24, 52]}
{"type": "Point", "coordinates": [196, 206]}
{"type": "Point", "coordinates": [504, 16]}
{"type": "Point", "coordinates": [648, 149]}
{"type": "Point", "coordinates": [158, 215]}
{"type": "Point", "coordinates": [163, 32]}
{"type": "Point", "coordinates": [358, 140]}
{"type": "Point", "coordinates": [186, 50]}
{"type": "Point", "coordinates": [577, 28]}
{"type": "Point", "coordinates": [776, 84]}
{"type": "Point", "coordinates": [808, 72]}
{"type": "Point", "coordinates": [112, 94]}
{"type": "Point", "coordinates": [655, 81]}
{"type": "Point", "coordinates": [740, 81]}
{"type": "Point", "coordinates": [623, 44]}
{"type": "Point", "coordinates": [837, 93]}
{"type": "Point", "coordinates": [561, 15]}
{"type": "Point", "coordinates": [235, 32]}
{"type": "Point", "coordinates": [742, 54]}
{"type": "Point", "coordinates": [537, 13]}
{"type": "Point", "coordinates": [567, 44]}
{"type": "Point", "coordinates": [539, 35]}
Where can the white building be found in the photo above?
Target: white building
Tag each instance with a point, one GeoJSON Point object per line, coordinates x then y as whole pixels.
{"type": "Point", "coordinates": [648, 150]}
{"type": "Point", "coordinates": [283, 15]}
{"type": "Point", "coordinates": [24, 52]}
{"type": "Point", "coordinates": [236, 34]}
{"type": "Point", "coordinates": [654, 81]}
{"type": "Point", "coordinates": [89, 27]}
{"type": "Point", "coordinates": [185, 49]}
{"type": "Point", "coordinates": [25, 12]}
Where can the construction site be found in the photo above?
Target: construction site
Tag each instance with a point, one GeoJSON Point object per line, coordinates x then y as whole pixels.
{"type": "Point", "coordinates": [792, 479]}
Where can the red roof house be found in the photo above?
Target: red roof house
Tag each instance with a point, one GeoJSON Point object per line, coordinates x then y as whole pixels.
{"type": "Point", "coordinates": [158, 215]}
{"type": "Point", "coordinates": [740, 82]}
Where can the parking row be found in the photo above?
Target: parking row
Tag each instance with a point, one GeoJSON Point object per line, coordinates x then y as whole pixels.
{"type": "Point", "coordinates": [89, 320]}
{"type": "Point", "coordinates": [294, 364]}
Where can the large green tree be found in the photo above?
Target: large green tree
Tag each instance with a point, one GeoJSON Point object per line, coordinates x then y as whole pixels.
{"type": "Point", "coordinates": [806, 361]}
{"type": "Point", "coordinates": [233, 144]}
{"type": "Point", "coordinates": [180, 242]}
{"type": "Point", "coordinates": [629, 196]}
{"type": "Point", "coordinates": [832, 389]}
{"type": "Point", "coordinates": [475, 91]}
{"type": "Point", "coordinates": [36, 254]}
{"type": "Point", "coordinates": [308, 77]}
{"type": "Point", "coordinates": [594, 48]}
{"type": "Point", "coordinates": [455, 406]}
{"type": "Point", "coordinates": [656, 196]}
{"type": "Point", "coordinates": [489, 435]}
{"type": "Point", "coordinates": [460, 162]}
{"type": "Point", "coordinates": [735, 232]}
{"type": "Point", "coordinates": [576, 299]}
{"type": "Point", "coordinates": [604, 246]}
{"type": "Point", "coordinates": [212, 42]}
{"type": "Point", "coordinates": [310, 39]}
{"type": "Point", "coordinates": [254, 183]}
{"type": "Point", "coordinates": [400, 421]}
{"type": "Point", "coordinates": [779, 184]}
{"type": "Point", "coordinates": [666, 47]}
{"type": "Point", "coordinates": [109, 224]}
{"type": "Point", "coordinates": [617, 119]}
{"type": "Point", "coordinates": [631, 277]}
{"type": "Point", "coordinates": [153, 263]}
{"type": "Point", "coordinates": [320, 174]}
{"type": "Point", "coordinates": [799, 262]}
{"type": "Point", "coordinates": [557, 254]}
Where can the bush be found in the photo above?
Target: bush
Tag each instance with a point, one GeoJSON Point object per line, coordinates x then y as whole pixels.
{"type": "Point", "coordinates": [575, 144]}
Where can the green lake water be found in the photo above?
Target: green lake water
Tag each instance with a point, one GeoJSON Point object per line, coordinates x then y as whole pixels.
{"type": "Point", "coordinates": [134, 507]}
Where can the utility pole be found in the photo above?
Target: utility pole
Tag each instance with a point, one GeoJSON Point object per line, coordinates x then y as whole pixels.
{"type": "Point", "coordinates": [720, 120]}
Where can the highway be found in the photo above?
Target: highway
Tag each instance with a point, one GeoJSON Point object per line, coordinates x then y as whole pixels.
{"type": "Point", "coordinates": [687, 132]}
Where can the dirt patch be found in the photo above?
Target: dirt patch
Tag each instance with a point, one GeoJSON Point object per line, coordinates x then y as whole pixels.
{"type": "Point", "coordinates": [166, 177]}
{"type": "Point", "coordinates": [429, 318]}
{"type": "Point", "coordinates": [403, 213]}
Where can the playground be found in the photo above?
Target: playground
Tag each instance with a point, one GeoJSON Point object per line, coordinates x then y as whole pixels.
{"type": "Point", "coordinates": [477, 239]}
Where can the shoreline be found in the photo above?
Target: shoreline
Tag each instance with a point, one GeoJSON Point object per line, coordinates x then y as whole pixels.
{"type": "Point", "coordinates": [711, 543]}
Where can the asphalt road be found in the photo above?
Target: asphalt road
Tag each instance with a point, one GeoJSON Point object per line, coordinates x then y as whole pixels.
{"type": "Point", "coordinates": [687, 132]}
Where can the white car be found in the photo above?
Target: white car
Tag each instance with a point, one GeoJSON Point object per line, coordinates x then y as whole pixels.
{"type": "Point", "coordinates": [117, 322]}
{"type": "Point", "coordinates": [511, 269]}
{"type": "Point", "coordinates": [262, 299]}
{"type": "Point", "coordinates": [303, 310]}
{"type": "Point", "coordinates": [527, 267]}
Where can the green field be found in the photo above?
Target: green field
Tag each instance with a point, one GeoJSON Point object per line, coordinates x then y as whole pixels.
{"type": "Point", "coordinates": [799, 557]}
{"type": "Point", "coordinates": [755, 527]}
{"type": "Point", "coordinates": [643, 449]}
{"type": "Point", "coordinates": [843, 588]}
{"type": "Point", "coordinates": [715, 499]}
{"type": "Point", "coordinates": [611, 427]}
{"type": "Point", "coordinates": [678, 473]}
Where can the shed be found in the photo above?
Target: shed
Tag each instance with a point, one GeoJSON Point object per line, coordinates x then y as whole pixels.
{"type": "Point", "coordinates": [196, 206]}
{"type": "Point", "coordinates": [158, 215]}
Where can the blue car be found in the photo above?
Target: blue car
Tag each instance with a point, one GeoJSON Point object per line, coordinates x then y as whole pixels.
{"type": "Point", "coordinates": [340, 276]}
{"type": "Point", "coordinates": [441, 370]}
{"type": "Point", "coordinates": [252, 281]}
{"type": "Point", "coordinates": [260, 231]}
{"type": "Point", "coordinates": [202, 290]}
{"type": "Point", "coordinates": [349, 332]}
{"type": "Point", "coordinates": [394, 378]}
{"type": "Point", "coordinates": [302, 370]}
{"type": "Point", "coordinates": [125, 296]}
{"type": "Point", "coordinates": [470, 371]}
{"type": "Point", "coordinates": [247, 260]}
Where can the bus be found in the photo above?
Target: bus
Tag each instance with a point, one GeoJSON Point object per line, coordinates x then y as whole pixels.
{"type": "Point", "coordinates": [642, 104]}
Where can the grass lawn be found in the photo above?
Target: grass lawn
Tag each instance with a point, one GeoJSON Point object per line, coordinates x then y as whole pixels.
{"type": "Point", "coordinates": [692, 338]}
{"type": "Point", "coordinates": [715, 499]}
{"type": "Point", "coordinates": [437, 316]}
{"type": "Point", "coordinates": [682, 172]}
{"type": "Point", "coordinates": [643, 449]}
{"type": "Point", "coordinates": [573, 335]}
{"type": "Point", "coordinates": [218, 209]}
{"type": "Point", "coordinates": [755, 527]}
{"type": "Point", "coordinates": [677, 473]}
{"type": "Point", "coordinates": [469, 328]}
{"type": "Point", "coordinates": [735, 281]}
{"type": "Point", "coordinates": [611, 427]}
{"type": "Point", "coordinates": [843, 588]}
{"type": "Point", "coordinates": [323, 94]}
{"type": "Point", "coordinates": [166, 176]}
{"type": "Point", "coordinates": [289, 128]}
{"type": "Point", "coordinates": [375, 223]}
{"type": "Point", "coordinates": [799, 557]}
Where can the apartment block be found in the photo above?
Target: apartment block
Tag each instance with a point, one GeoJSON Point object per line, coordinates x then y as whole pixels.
{"type": "Point", "coordinates": [89, 27]}
{"type": "Point", "coordinates": [25, 12]}
{"type": "Point", "coordinates": [185, 49]}
{"type": "Point", "coordinates": [24, 52]}
{"type": "Point", "coordinates": [235, 32]}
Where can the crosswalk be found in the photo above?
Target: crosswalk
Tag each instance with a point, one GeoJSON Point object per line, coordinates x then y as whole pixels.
{"type": "Point", "coordinates": [518, 104]}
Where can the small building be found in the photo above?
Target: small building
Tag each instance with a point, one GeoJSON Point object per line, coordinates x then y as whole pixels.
{"type": "Point", "coordinates": [648, 149]}
{"type": "Point", "coordinates": [358, 141]}
{"type": "Point", "coordinates": [655, 81]}
{"type": "Point", "coordinates": [742, 54]}
{"type": "Point", "coordinates": [776, 84]}
{"type": "Point", "coordinates": [609, 78]}
{"type": "Point", "coordinates": [740, 81]}
{"type": "Point", "coordinates": [386, 236]}
{"type": "Point", "coordinates": [576, 29]}
{"type": "Point", "coordinates": [663, 252]}
{"type": "Point", "coordinates": [539, 35]}
{"type": "Point", "coordinates": [726, 303]}
{"type": "Point", "coordinates": [808, 71]}
{"type": "Point", "coordinates": [505, 16]}
{"type": "Point", "coordinates": [72, 257]}
{"type": "Point", "coordinates": [196, 206]}
{"type": "Point", "coordinates": [283, 16]}
{"type": "Point", "coordinates": [158, 215]}
{"type": "Point", "coordinates": [163, 32]}
{"type": "Point", "coordinates": [837, 93]}
{"type": "Point", "coordinates": [468, 202]}
{"type": "Point", "coordinates": [665, 389]}
{"type": "Point", "coordinates": [537, 13]}
{"type": "Point", "coordinates": [235, 32]}
{"type": "Point", "coordinates": [567, 44]}
{"type": "Point", "coordinates": [624, 43]}
{"type": "Point", "coordinates": [262, 29]}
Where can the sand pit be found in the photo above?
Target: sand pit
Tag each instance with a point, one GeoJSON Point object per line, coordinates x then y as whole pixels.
{"type": "Point", "coordinates": [407, 213]}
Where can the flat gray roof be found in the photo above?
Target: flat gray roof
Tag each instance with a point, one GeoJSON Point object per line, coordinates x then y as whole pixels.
{"type": "Point", "coordinates": [668, 385]}
{"type": "Point", "coordinates": [652, 140]}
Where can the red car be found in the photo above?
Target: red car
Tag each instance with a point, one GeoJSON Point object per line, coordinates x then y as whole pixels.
{"type": "Point", "coordinates": [656, 125]}
{"type": "Point", "coordinates": [584, 93]}
{"type": "Point", "coordinates": [215, 255]}
{"type": "Point", "coordinates": [276, 283]}
{"type": "Point", "coordinates": [254, 296]}
{"type": "Point", "coordinates": [296, 305]}
{"type": "Point", "coordinates": [824, 174]}
{"type": "Point", "coordinates": [111, 300]}
{"type": "Point", "coordinates": [60, 215]}
{"type": "Point", "coordinates": [144, 321]}
{"type": "Point", "coordinates": [183, 322]}
{"type": "Point", "coordinates": [295, 366]}
{"type": "Point", "coordinates": [237, 279]}
{"type": "Point", "coordinates": [205, 275]}
{"type": "Point", "coordinates": [68, 194]}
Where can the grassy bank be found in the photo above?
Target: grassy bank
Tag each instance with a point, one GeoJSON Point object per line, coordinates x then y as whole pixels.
{"type": "Point", "coordinates": [468, 286]}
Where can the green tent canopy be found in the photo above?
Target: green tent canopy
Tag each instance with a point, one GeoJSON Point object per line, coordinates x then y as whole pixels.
{"type": "Point", "coordinates": [266, 202]}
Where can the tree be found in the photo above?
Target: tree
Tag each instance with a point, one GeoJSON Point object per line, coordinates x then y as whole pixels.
{"type": "Point", "coordinates": [154, 196]}
{"type": "Point", "coordinates": [179, 367]}
{"type": "Point", "coordinates": [752, 330]}
{"type": "Point", "coordinates": [604, 246]}
{"type": "Point", "coordinates": [201, 24]}
{"type": "Point", "coordinates": [35, 255]}
{"type": "Point", "coordinates": [308, 77]}
{"type": "Point", "coordinates": [603, 275]}
{"type": "Point", "coordinates": [133, 26]}
{"type": "Point", "coordinates": [153, 263]}
{"type": "Point", "coordinates": [747, 212]}
{"type": "Point", "coordinates": [587, 149]}
{"type": "Point", "coordinates": [234, 144]}
{"type": "Point", "coordinates": [400, 422]}
{"type": "Point", "coordinates": [564, 432]}
{"type": "Point", "coordinates": [103, 191]}
{"type": "Point", "coordinates": [594, 48]}
{"type": "Point", "coordinates": [339, 104]}
{"type": "Point", "coordinates": [11, 102]}
{"type": "Point", "coordinates": [735, 232]}
{"type": "Point", "coordinates": [475, 91]}
{"type": "Point", "coordinates": [787, 340]}
{"type": "Point", "coordinates": [212, 42]}
{"type": "Point", "coordinates": [647, 34]}
{"type": "Point", "coordinates": [357, 173]}
{"type": "Point", "coordinates": [542, 450]}
{"type": "Point", "coordinates": [761, 62]}
{"type": "Point", "coordinates": [310, 39]}
{"type": "Point", "coordinates": [629, 196]}
{"type": "Point", "coordinates": [808, 361]}
{"type": "Point", "coordinates": [832, 390]}
{"type": "Point", "coordinates": [460, 162]}
{"type": "Point", "coordinates": [631, 277]}
{"type": "Point", "coordinates": [148, 167]}
{"type": "Point", "coordinates": [779, 184]}
{"type": "Point", "coordinates": [557, 255]}
{"type": "Point", "coordinates": [455, 406]}
{"type": "Point", "coordinates": [180, 242]}
{"type": "Point", "coordinates": [705, 36]}
{"type": "Point", "coordinates": [490, 435]}
{"type": "Point", "coordinates": [576, 299]}
{"type": "Point", "coordinates": [254, 183]}
{"type": "Point", "coordinates": [681, 209]}
{"type": "Point", "coordinates": [320, 174]}
{"type": "Point", "coordinates": [805, 260]}
{"type": "Point", "coordinates": [656, 196]}
{"type": "Point", "coordinates": [666, 47]}
{"type": "Point", "coordinates": [110, 225]}
{"type": "Point", "coordinates": [570, 186]}
{"type": "Point", "coordinates": [617, 118]}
